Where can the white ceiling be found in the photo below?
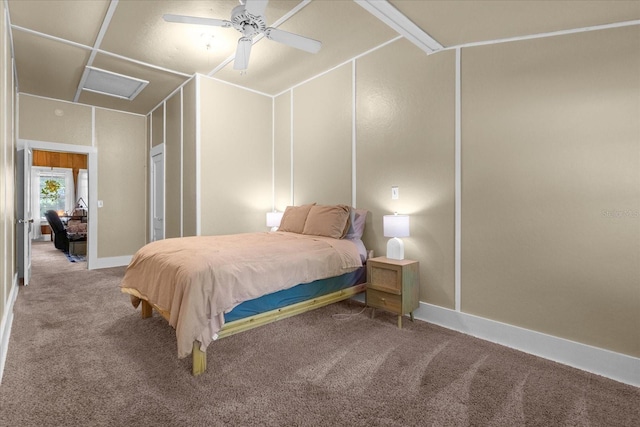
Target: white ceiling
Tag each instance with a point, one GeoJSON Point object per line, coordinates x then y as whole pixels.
{"type": "Point", "coordinates": [54, 40]}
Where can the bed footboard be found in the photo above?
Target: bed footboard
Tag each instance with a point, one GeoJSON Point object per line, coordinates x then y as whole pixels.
{"type": "Point", "coordinates": [241, 325]}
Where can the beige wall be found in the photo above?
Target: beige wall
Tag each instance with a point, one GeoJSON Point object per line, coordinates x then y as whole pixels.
{"type": "Point", "coordinates": [550, 166]}
{"type": "Point", "coordinates": [54, 121]}
{"type": "Point", "coordinates": [120, 138]}
{"type": "Point", "coordinates": [282, 151]}
{"type": "Point", "coordinates": [147, 212]}
{"type": "Point", "coordinates": [6, 271]}
{"type": "Point", "coordinates": [405, 137]}
{"type": "Point", "coordinates": [551, 186]}
{"type": "Point", "coordinates": [157, 125]}
{"type": "Point", "coordinates": [322, 139]}
{"type": "Point", "coordinates": [235, 161]}
{"type": "Point", "coordinates": [189, 160]}
{"type": "Point", "coordinates": [173, 165]}
{"type": "Point", "coordinates": [7, 187]}
{"type": "Point", "coordinates": [174, 123]}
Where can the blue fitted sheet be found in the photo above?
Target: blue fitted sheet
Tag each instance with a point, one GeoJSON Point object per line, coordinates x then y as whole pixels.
{"type": "Point", "coordinates": [295, 294]}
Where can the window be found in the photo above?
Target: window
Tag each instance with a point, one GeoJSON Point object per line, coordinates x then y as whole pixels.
{"type": "Point", "coordinates": [59, 194]}
{"type": "Point", "coordinates": [53, 190]}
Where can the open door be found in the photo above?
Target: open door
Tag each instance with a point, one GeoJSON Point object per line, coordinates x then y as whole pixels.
{"type": "Point", "coordinates": [24, 226]}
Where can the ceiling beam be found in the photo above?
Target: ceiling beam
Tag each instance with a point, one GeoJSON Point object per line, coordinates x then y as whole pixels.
{"type": "Point", "coordinates": [545, 35]}
{"type": "Point", "coordinates": [104, 52]}
{"type": "Point", "coordinates": [96, 46]}
{"type": "Point", "coordinates": [384, 11]}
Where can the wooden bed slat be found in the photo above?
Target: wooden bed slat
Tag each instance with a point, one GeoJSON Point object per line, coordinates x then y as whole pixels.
{"type": "Point", "coordinates": [251, 322]}
{"type": "Point", "coordinates": [199, 357]}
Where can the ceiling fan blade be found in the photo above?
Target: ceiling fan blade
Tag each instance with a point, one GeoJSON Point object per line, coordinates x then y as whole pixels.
{"type": "Point", "coordinates": [196, 20]}
{"type": "Point", "coordinates": [256, 7]}
{"type": "Point", "coordinates": [293, 40]}
{"type": "Point", "coordinates": [242, 54]}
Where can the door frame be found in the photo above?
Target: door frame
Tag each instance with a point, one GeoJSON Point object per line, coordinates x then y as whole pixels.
{"type": "Point", "coordinates": [155, 151]}
{"type": "Point", "coordinates": [24, 214]}
{"type": "Point", "coordinates": [92, 166]}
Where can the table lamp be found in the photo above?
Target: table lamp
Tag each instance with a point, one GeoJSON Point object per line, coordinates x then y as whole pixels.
{"type": "Point", "coordinates": [273, 220]}
{"type": "Point", "coordinates": [395, 226]}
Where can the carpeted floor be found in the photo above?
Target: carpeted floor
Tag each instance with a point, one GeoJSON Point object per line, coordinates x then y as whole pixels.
{"type": "Point", "coordinates": [80, 355]}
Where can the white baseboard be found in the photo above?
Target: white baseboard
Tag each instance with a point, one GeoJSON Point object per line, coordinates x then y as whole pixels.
{"type": "Point", "coordinates": [617, 366]}
{"type": "Point", "coordinates": [5, 324]}
{"type": "Point", "coordinates": [117, 261]}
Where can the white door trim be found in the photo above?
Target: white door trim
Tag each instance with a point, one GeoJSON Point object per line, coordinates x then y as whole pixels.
{"type": "Point", "coordinates": [92, 165]}
{"type": "Point", "coordinates": [155, 151]}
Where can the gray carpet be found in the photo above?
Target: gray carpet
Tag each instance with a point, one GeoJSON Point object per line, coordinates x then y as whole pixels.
{"type": "Point", "coordinates": [80, 355]}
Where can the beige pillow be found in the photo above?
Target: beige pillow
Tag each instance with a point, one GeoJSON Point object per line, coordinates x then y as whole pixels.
{"type": "Point", "coordinates": [330, 221]}
{"type": "Point", "coordinates": [294, 218]}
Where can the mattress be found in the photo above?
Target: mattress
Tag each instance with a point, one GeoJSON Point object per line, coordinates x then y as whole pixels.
{"type": "Point", "coordinates": [299, 293]}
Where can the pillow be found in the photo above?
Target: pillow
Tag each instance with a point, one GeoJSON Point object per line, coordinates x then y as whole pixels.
{"type": "Point", "coordinates": [294, 218]}
{"type": "Point", "coordinates": [361, 249]}
{"type": "Point", "coordinates": [358, 219]}
{"type": "Point", "coordinates": [328, 220]}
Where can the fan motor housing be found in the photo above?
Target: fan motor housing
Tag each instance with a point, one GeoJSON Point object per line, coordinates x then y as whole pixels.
{"type": "Point", "coordinates": [248, 24]}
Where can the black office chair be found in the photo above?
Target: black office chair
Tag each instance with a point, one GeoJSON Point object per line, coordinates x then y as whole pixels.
{"type": "Point", "coordinates": [60, 239]}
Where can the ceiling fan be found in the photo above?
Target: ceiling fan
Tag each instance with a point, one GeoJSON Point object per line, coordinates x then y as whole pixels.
{"type": "Point", "coordinates": [248, 18]}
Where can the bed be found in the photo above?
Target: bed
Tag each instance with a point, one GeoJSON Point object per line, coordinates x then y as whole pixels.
{"type": "Point", "coordinates": [210, 287]}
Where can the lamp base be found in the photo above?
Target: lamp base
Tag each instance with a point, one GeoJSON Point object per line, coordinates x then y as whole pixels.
{"type": "Point", "coordinates": [395, 248]}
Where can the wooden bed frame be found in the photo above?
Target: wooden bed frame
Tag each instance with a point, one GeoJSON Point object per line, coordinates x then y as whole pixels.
{"type": "Point", "coordinates": [200, 357]}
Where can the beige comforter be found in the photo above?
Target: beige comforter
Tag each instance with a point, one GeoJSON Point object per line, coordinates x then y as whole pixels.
{"type": "Point", "coordinates": [198, 279]}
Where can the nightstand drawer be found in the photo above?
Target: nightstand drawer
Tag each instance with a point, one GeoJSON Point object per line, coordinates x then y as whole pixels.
{"type": "Point", "coordinates": [389, 302]}
{"type": "Point", "coordinates": [385, 277]}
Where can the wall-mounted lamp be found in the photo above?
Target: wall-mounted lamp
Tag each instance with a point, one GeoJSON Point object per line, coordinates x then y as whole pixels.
{"type": "Point", "coordinates": [395, 226]}
{"type": "Point", "coordinates": [273, 220]}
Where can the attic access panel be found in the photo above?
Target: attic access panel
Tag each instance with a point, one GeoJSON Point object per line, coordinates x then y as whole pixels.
{"type": "Point", "coordinates": [112, 84]}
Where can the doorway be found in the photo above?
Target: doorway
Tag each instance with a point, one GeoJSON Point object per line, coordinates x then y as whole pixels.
{"type": "Point", "coordinates": [60, 183]}
{"type": "Point", "coordinates": [83, 180]}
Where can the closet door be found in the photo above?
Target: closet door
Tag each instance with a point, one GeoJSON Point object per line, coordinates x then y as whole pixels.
{"type": "Point", "coordinates": [157, 192]}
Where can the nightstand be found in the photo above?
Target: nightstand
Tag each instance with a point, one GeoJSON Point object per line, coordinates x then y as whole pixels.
{"type": "Point", "coordinates": [392, 285]}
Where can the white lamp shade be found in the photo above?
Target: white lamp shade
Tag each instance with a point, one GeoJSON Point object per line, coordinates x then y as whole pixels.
{"type": "Point", "coordinates": [395, 225]}
{"type": "Point", "coordinates": [274, 218]}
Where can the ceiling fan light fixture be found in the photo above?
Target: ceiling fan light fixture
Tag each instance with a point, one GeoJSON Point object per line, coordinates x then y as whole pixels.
{"type": "Point", "coordinates": [248, 18]}
{"type": "Point", "coordinates": [249, 25]}
{"type": "Point", "coordinates": [243, 52]}
{"type": "Point", "coordinates": [113, 84]}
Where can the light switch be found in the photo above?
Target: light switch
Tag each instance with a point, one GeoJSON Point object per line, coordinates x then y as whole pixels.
{"type": "Point", "coordinates": [100, 204]}
{"type": "Point", "coordinates": [395, 195]}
